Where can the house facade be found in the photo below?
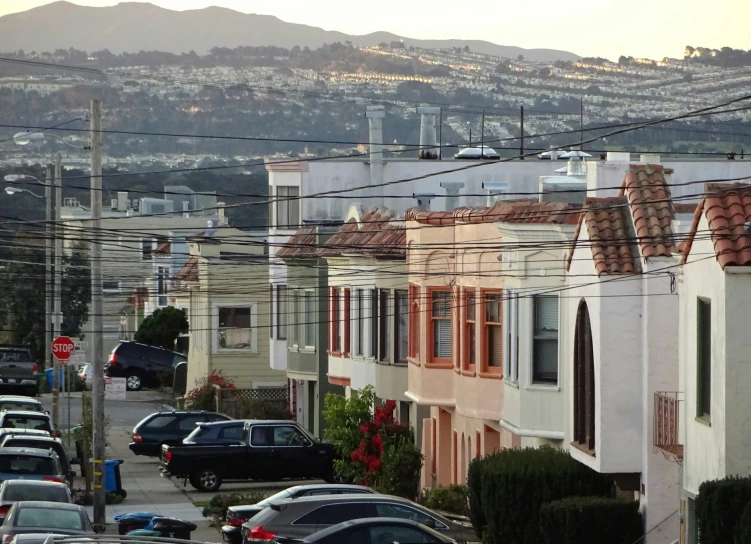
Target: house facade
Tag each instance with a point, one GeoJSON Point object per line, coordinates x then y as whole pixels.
{"type": "Point", "coordinates": [368, 307]}
{"type": "Point", "coordinates": [714, 345]}
{"type": "Point", "coordinates": [620, 313]}
{"type": "Point", "coordinates": [303, 322]}
{"type": "Point", "coordinates": [227, 278]}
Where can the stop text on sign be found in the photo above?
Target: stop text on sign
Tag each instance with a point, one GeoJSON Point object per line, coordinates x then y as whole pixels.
{"type": "Point", "coordinates": [63, 347]}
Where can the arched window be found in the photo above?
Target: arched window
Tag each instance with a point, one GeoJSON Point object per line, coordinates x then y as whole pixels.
{"type": "Point", "coordinates": [584, 382]}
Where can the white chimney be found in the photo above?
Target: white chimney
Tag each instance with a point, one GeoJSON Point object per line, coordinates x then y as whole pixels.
{"type": "Point", "coordinates": [494, 189]}
{"type": "Point", "coordinates": [428, 136]}
{"type": "Point", "coordinates": [452, 193]}
{"type": "Point", "coordinates": [619, 156]}
{"type": "Point", "coordinates": [375, 115]}
{"type": "Point", "coordinates": [122, 201]}
{"type": "Point", "coordinates": [113, 204]}
{"type": "Point", "coordinates": [220, 211]}
{"type": "Point", "coordinates": [649, 158]}
{"type": "Point", "coordinates": [423, 200]}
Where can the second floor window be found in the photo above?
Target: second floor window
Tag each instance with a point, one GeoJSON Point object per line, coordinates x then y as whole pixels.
{"type": "Point", "coordinates": [373, 323]}
{"type": "Point", "coordinates": [401, 306]}
{"type": "Point", "coordinates": [494, 330]}
{"type": "Point", "coordinates": [335, 321]}
{"type": "Point", "coordinates": [287, 207]}
{"type": "Point", "coordinates": [162, 274]}
{"type": "Point", "coordinates": [470, 330]}
{"type": "Point", "coordinates": [309, 317]}
{"type": "Point", "coordinates": [234, 328]}
{"type": "Point", "coordinates": [385, 324]}
{"type": "Point", "coordinates": [440, 314]}
{"type": "Point", "coordinates": [704, 358]}
{"type": "Point", "coordinates": [414, 321]}
{"type": "Point", "coordinates": [281, 312]}
{"type": "Point", "coordinates": [545, 340]}
{"type": "Point", "coordinates": [360, 319]}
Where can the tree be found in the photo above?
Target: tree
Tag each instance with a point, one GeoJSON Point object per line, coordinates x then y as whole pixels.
{"type": "Point", "coordinates": [76, 291]}
{"type": "Point", "coordinates": [520, 58]}
{"type": "Point", "coordinates": [689, 52]}
{"type": "Point", "coordinates": [162, 328]}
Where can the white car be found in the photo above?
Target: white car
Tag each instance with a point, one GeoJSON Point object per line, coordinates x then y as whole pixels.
{"type": "Point", "coordinates": [85, 374]}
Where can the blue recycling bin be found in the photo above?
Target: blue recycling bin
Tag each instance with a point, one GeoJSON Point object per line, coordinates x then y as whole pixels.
{"type": "Point", "coordinates": [112, 482]}
{"type": "Point", "coordinates": [50, 374]}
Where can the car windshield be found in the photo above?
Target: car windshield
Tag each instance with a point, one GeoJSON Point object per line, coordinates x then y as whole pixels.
{"type": "Point", "coordinates": [49, 518]}
{"type": "Point", "coordinates": [26, 422]}
{"type": "Point", "coordinates": [51, 493]}
{"type": "Point", "coordinates": [22, 464]}
{"type": "Point", "coordinates": [285, 494]}
{"type": "Point", "coordinates": [20, 405]}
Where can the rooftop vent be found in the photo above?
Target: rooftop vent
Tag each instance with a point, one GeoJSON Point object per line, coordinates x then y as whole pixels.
{"type": "Point", "coordinates": [423, 200]}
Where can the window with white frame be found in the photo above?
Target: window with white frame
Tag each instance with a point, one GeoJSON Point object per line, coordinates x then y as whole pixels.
{"type": "Point", "coordinates": [236, 327]}
{"type": "Point", "coordinates": [295, 317]}
{"type": "Point", "coordinates": [147, 248]}
{"type": "Point", "coordinates": [384, 328]}
{"type": "Point", "coordinates": [281, 312]}
{"type": "Point", "coordinates": [511, 359]}
{"type": "Point", "coordinates": [545, 339]}
{"type": "Point", "coordinates": [310, 316]}
{"type": "Point", "coordinates": [287, 207]}
{"type": "Point", "coordinates": [111, 286]}
{"type": "Point", "coordinates": [162, 276]}
{"type": "Point", "coordinates": [359, 321]}
{"type": "Point", "coordinates": [373, 323]}
{"type": "Point", "coordinates": [401, 333]}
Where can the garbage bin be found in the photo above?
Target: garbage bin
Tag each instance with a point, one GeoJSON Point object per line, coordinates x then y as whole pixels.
{"type": "Point", "coordinates": [144, 532]}
{"type": "Point", "coordinates": [134, 521]}
{"type": "Point", "coordinates": [174, 528]}
{"type": "Point", "coordinates": [112, 481]}
{"type": "Point", "coordinates": [50, 374]}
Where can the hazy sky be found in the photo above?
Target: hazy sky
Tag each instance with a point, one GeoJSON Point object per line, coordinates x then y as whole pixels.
{"type": "Point", "coordinates": [608, 28]}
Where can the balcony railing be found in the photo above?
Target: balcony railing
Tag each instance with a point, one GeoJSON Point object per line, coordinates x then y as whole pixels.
{"type": "Point", "coordinates": [666, 423]}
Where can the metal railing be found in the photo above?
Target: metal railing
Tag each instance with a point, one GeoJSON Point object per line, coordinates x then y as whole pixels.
{"type": "Point", "coordinates": [666, 427]}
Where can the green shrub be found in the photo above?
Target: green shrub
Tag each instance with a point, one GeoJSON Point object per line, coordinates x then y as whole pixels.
{"type": "Point", "coordinates": [743, 530]}
{"type": "Point", "coordinates": [590, 520]}
{"type": "Point", "coordinates": [451, 498]}
{"type": "Point", "coordinates": [507, 489]}
{"type": "Point", "coordinates": [400, 472]}
{"type": "Point", "coordinates": [262, 409]}
{"type": "Point", "coordinates": [218, 505]}
{"type": "Point", "coordinates": [719, 508]}
{"type": "Point", "coordinates": [474, 496]}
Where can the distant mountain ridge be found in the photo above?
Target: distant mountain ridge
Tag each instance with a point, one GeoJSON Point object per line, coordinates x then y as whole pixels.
{"type": "Point", "coordinates": [136, 26]}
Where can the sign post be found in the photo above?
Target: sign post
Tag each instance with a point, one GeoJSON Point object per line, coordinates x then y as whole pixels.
{"type": "Point", "coordinates": [63, 349]}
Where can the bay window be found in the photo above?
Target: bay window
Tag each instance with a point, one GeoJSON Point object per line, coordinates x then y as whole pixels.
{"type": "Point", "coordinates": [440, 326]}
{"type": "Point", "coordinates": [545, 340]}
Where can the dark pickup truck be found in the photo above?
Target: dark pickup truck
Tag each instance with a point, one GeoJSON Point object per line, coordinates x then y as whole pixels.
{"type": "Point", "coordinates": [269, 450]}
{"type": "Point", "coordinates": [17, 369]}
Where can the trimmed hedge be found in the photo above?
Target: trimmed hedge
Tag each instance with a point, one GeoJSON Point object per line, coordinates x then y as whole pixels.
{"type": "Point", "coordinates": [450, 498]}
{"type": "Point", "coordinates": [719, 508]}
{"type": "Point", "coordinates": [743, 530]}
{"type": "Point", "coordinates": [590, 520]}
{"type": "Point", "coordinates": [507, 489]}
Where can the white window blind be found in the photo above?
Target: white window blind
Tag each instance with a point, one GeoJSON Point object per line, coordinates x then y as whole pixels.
{"type": "Point", "coordinates": [441, 313]}
{"type": "Point", "coordinates": [494, 329]}
{"type": "Point", "coordinates": [545, 340]}
{"type": "Point", "coordinates": [511, 350]}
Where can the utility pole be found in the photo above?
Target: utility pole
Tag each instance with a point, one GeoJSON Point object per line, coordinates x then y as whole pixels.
{"type": "Point", "coordinates": [482, 136]}
{"type": "Point", "coordinates": [521, 134]}
{"type": "Point", "coordinates": [49, 317]}
{"type": "Point", "coordinates": [58, 311]}
{"type": "Point", "coordinates": [97, 351]}
{"type": "Point", "coordinates": [440, 135]}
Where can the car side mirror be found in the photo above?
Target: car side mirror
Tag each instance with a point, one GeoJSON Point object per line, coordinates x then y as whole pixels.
{"type": "Point", "coordinates": [99, 529]}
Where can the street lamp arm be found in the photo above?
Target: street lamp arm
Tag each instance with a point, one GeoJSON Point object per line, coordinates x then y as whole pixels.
{"type": "Point", "coordinates": [16, 190]}
{"type": "Point", "coordinates": [25, 138]}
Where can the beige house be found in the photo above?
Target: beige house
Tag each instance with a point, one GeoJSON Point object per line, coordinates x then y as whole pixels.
{"type": "Point", "coordinates": [226, 277]}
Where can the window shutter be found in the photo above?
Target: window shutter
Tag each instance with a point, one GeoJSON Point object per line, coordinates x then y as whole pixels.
{"type": "Point", "coordinates": [442, 338]}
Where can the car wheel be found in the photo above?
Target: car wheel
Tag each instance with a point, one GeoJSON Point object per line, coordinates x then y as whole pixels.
{"type": "Point", "coordinates": [206, 479]}
{"type": "Point", "coordinates": [332, 477]}
{"type": "Point", "coordinates": [134, 381]}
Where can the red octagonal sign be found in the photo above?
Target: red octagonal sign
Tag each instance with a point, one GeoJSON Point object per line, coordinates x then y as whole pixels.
{"type": "Point", "coordinates": [63, 347]}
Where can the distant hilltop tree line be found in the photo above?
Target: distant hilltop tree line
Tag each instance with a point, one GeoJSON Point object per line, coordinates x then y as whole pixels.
{"type": "Point", "coordinates": [725, 57]}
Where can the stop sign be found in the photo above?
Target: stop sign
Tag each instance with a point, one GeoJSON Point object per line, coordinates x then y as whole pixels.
{"type": "Point", "coordinates": [63, 347]}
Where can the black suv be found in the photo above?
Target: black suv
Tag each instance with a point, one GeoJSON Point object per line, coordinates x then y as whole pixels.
{"type": "Point", "coordinates": [169, 428]}
{"type": "Point", "coordinates": [142, 365]}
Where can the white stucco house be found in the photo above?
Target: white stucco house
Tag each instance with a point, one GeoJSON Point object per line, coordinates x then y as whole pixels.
{"type": "Point", "coordinates": [620, 319]}
{"type": "Point", "coordinates": [715, 344]}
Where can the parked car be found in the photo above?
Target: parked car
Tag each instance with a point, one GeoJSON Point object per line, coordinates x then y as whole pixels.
{"type": "Point", "coordinates": [14, 491]}
{"type": "Point", "coordinates": [43, 518]}
{"type": "Point", "coordinates": [300, 518]}
{"type": "Point", "coordinates": [85, 373]}
{"type": "Point", "coordinates": [30, 464]}
{"type": "Point", "coordinates": [373, 531]}
{"type": "Point", "coordinates": [142, 365]}
{"type": "Point", "coordinates": [237, 515]}
{"type": "Point", "coordinates": [17, 369]}
{"type": "Point", "coordinates": [18, 419]}
{"type": "Point", "coordinates": [169, 428]}
{"type": "Point", "coordinates": [270, 450]}
{"type": "Point", "coordinates": [17, 402]}
{"type": "Point", "coordinates": [12, 440]}
{"type": "Point", "coordinates": [222, 432]}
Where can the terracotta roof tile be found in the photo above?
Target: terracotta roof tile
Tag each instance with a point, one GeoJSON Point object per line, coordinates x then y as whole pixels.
{"type": "Point", "coordinates": [302, 244]}
{"type": "Point", "coordinates": [378, 233]}
{"type": "Point", "coordinates": [429, 218]}
{"type": "Point", "coordinates": [189, 271]}
{"type": "Point", "coordinates": [531, 211]}
{"type": "Point", "coordinates": [651, 209]}
{"type": "Point", "coordinates": [727, 208]}
{"type": "Point", "coordinates": [606, 221]}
